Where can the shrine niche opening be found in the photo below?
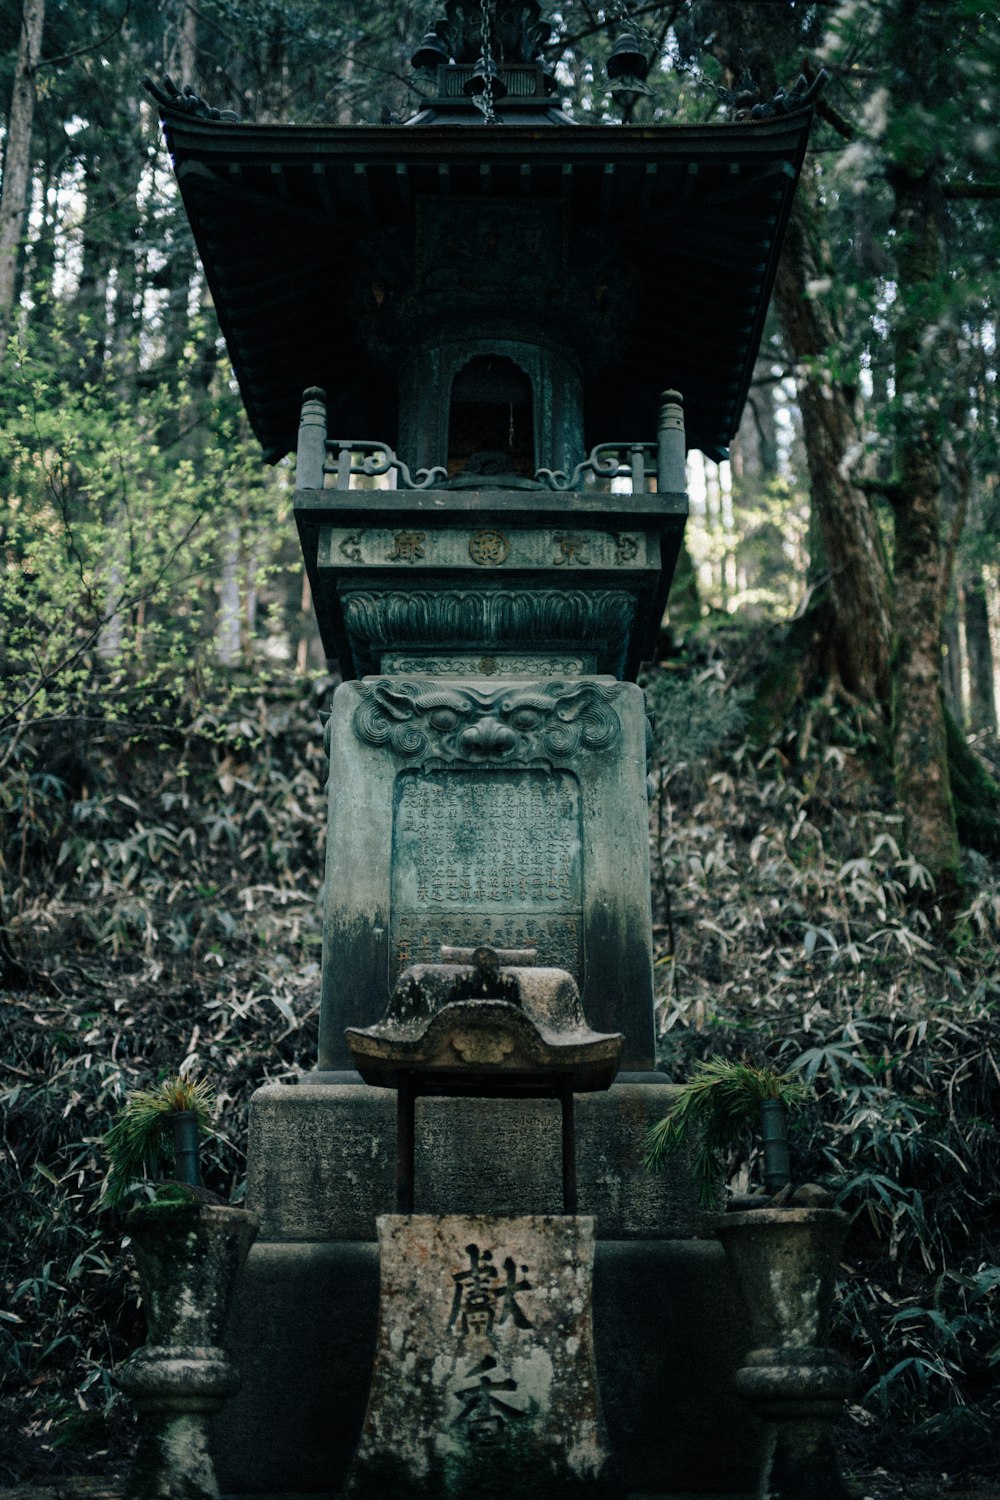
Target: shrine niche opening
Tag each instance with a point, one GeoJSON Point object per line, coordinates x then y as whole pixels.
{"type": "Point", "coordinates": [491, 419]}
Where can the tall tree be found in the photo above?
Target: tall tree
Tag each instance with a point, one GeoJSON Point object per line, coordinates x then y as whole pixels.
{"type": "Point", "coordinates": [15, 191]}
{"type": "Point", "coordinates": [914, 74]}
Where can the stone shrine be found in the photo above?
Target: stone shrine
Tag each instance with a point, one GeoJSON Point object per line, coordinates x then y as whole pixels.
{"type": "Point", "coordinates": [503, 319]}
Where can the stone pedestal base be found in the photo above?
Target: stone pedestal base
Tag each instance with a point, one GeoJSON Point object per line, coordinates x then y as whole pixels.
{"type": "Point", "coordinates": [668, 1338]}
{"type": "Point", "coordinates": [669, 1328]}
{"type": "Point", "coordinates": [189, 1257]}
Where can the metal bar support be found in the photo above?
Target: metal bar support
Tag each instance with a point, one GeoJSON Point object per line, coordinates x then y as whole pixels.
{"type": "Point", "coordinates": [568, 1147]}
{"type": "Point", "coordinates": [405, 1113]}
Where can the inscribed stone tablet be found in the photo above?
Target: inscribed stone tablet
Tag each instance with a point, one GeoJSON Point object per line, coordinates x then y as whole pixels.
{"type": "Point", "coordinates": [484, 1382]}
{"type": "Point", "coordinates": [490, 856]}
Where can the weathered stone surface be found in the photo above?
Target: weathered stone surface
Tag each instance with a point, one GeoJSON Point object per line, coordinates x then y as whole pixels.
{"type": "Point", "coordinates": [303, 1333]}
{"type": "Point", "coordinates": [321, 1161]}
{"type": "Point", "coordinates": [484, 1381]}
{"type": "Point", "coordinates": [669, 1334]}
{"type": "Point", "coordinates": [189, 1257]}
{"type": "Point", "coordinates": [490, 1013]}
{"type": "Point", "coordinates": [597, 621]}
{"type": "Point", "coordinates": [173, 1461]}
{"type": "Point", "coordinates": [785, 1261]}
{"type": "Point", "coordinates": [476, 664]}
{"type": "Point", "coordinates": [474, 812]}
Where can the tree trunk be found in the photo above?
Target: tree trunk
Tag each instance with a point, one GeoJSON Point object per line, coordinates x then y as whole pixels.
{"type": "Point", "coordinates": [917, 34]}
{"type": "Point", "coordinates": [923, 786]}
{"type": "Point", "coordinates": [982, 692]}
{"type": "Point", "coordinates": [847, 525]}
{"type": "Point", "coordinates": [752, 37]}
{"type": "Point", "coordinates": [951, 666]}
{"type": "Point", "coordinates": [17, 160]}
{"type": "Point", "coordinates": [228, 635]}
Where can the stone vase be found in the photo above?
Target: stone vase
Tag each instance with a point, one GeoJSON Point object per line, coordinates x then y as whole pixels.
{"type": "Point", "coordinates": [785, 1261]}
{"type": "Point", "coordinates": [189, 1256]}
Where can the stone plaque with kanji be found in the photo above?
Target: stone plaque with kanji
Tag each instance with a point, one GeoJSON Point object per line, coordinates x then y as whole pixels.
{"type": "Point", "coordinates": [487, 857]}
{"type": "Point", "coordinates": [484, 1381]}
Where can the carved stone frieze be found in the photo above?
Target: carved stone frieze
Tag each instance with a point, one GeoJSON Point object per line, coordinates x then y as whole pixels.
{"type": "Point", "coordinates": [472, 664]}
{"type": "Point", "coordinates": [514, 725]}
{"type": "Point", "coordinates": [494, 621]}
{"type": "Point", "coordinates": [534, 548]}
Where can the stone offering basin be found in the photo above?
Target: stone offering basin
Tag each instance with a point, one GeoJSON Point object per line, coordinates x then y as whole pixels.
{"type": "Point", "coordinates": [482, 1020]}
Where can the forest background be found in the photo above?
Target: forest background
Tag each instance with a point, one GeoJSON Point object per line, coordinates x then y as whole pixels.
{"type": "Point", "coordinates": [825, 824]}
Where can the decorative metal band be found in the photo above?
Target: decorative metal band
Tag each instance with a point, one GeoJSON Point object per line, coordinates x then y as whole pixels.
{"type": "Point", "coordinates": [516, 725]}
{"type": "Point", "coordinates": [379, 458]}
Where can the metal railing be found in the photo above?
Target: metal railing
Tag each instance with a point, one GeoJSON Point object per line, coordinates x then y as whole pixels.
{"type": "Point", "coordinates": [378, 458]}
{"type": "Point", "coordinates": [319, 456]}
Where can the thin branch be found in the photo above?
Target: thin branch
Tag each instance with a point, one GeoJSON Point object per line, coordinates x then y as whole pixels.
{"type": "Point", "coordinates": [833, 117]}
{"type": "Point", "coordinates": [52, 62]}
{"type": "Point", "coordinates": [563, 44]}
{"type": "Point", "coordinates": [890, 489]}
{"type": "Point", "coordinates": [127, 602]}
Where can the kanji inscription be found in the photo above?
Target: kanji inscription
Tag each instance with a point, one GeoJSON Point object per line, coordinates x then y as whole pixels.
{"type": "Point", "coordinates": [486, 856]}
{"type": "Point", "coordinates": [481, 1299]}
{"type": "Point", "coordinates": [484, 1382]}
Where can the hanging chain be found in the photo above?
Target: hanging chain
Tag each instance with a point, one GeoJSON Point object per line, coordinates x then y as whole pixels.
{"type": "Point", "coordinates": [484, 101]}
{"type": "Point", "coordinates": [622, 16]}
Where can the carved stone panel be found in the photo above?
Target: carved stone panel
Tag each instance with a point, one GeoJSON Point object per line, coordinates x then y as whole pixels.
{"type": "Point", "coordinates": [486, 857]}
{"type": "Point", "coordinates": [531, 723]}
{"type": "Point", "coordinates": [508, 812]}
{"type": "Point", "coordinates": [484, 1381]}
{"type": "Point", "coordinates": [490, 548]}
{"type": "Point", "coordinates": [491, 621]}
{"type": "Point", "coordinates": [474, 664]}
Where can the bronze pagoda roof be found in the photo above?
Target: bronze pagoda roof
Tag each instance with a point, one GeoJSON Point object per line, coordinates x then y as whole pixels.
{"type": "Point", "coordinates": [282, 215]}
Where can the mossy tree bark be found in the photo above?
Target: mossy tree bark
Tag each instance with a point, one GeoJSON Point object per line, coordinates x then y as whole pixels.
{"type": "Point", "coordinates": [920, 741]}
{"type": "Point", "coordinates": [855, 558]}
{"type": "Point", "coordinates": [857, 640]}
{"type": "Point", "coordinates": [17, 159]}
{"type": "Point", "coordinates": [982, 692]}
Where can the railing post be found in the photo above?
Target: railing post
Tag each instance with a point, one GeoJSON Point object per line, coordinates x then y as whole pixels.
{"type": "Point", "coordinates": [638, 462]}
{"type": "Point", "coordinates": [310, 455]}
{"type": "Point", "coordinates": [671, 444]}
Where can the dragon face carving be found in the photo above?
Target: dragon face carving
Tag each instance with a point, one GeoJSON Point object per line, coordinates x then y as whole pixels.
{"type": "Point", "coordinates": [539, 722]}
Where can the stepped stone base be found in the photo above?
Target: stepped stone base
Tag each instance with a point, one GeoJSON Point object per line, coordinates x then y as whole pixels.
{"type": "Point", "coordinates": [669, 1328]}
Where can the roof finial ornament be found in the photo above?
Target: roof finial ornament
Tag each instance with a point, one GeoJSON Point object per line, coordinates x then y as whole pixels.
{"type": "Point", "coordinates": [185, 101]}
{"type": "Point", "coordinates": [800, 96]}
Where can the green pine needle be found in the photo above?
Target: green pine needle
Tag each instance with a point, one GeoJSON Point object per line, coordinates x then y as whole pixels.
{"type": "Point", "coordinates": [142, 1131]}
{"type": "Point", "coordinates": [717, 1103]}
